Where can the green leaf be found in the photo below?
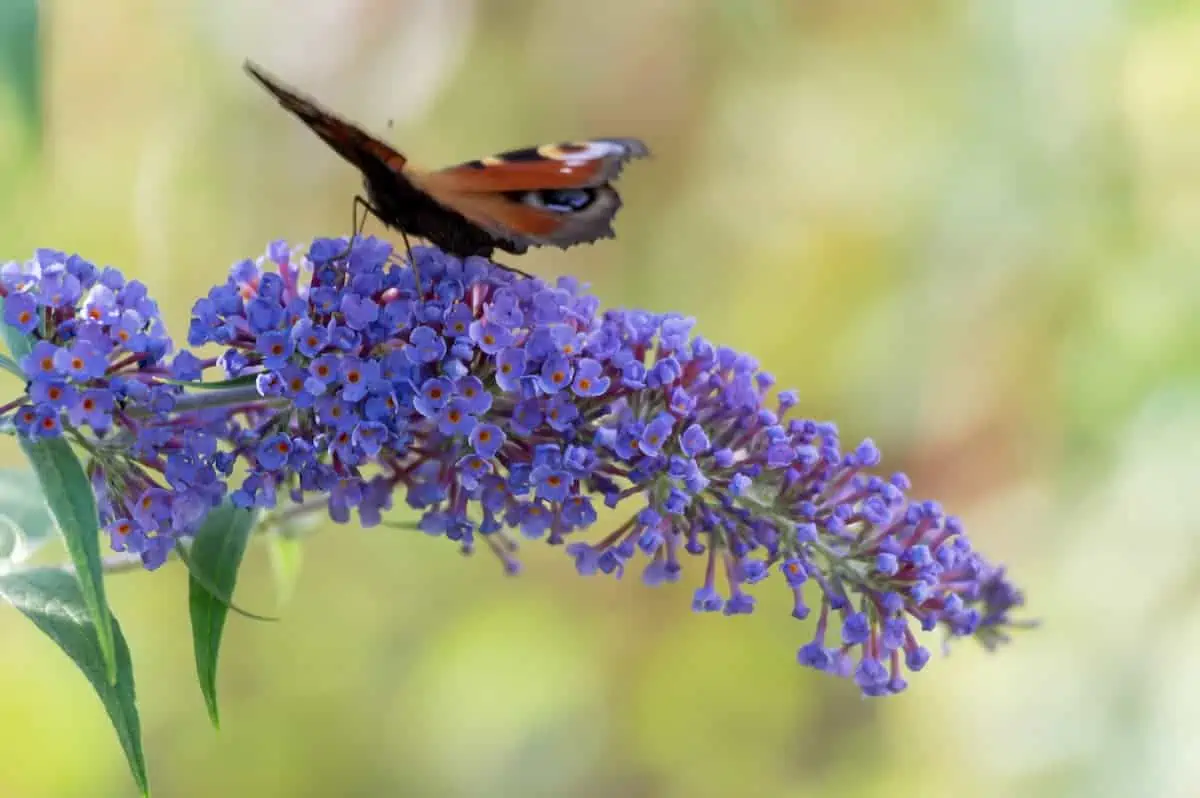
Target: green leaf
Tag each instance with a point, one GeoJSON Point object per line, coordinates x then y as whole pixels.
{"type": "Point", "coordinates": [287, 555]}
{"type": "Point", "coordinates": [69, 497]}
{"type": "Point", "coordinates": [52, 600]}
{"type": "Point", "coordinates": [19, 344]}
{"type": "Point", "coordinates": [216, 555]}
{"type": "Point", "coordinates": [11, 366]}
{"type": "Point", "coordinates": [236, 382]}
{"type": "Point", "coordinates": [25, 523]}
{"type": "Point", "coordinates": [20, 63]}
{"type": "Point", "coordinates": [203, 580]}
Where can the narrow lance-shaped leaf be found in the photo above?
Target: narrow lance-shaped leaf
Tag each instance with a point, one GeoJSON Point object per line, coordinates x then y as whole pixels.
{"type": "Point", "coordinates": [215, 557]}
{"type": "Point", "coordinates": [19, 344]}
{"type": "Point", "coordinates": [69, 498]}
{"type": "Point", "coordinates": [52, 600]}
{"type": "Point", "coordinates": [25, 523]}
{"type": "Point", "coordinates": [11, 366]}
{"type": "Point", "coordinates": [20, 60]}
{"type": "Point", "coordinates": [236, 382]}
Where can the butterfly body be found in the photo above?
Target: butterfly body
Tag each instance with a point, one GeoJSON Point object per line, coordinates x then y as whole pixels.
{"type": "Point", "coordinates": [401, 205]}
{"type": "Point", "coordinates": [557, 194]}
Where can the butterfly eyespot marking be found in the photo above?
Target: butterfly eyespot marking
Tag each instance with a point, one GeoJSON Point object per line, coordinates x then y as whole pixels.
{"type": "Point", "coordinates": [577, 150]}
{"type": "Point", "coordinates": [560, 200]}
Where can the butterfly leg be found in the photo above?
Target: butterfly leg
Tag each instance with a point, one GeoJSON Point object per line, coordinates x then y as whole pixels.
{"type": "Point", "coordinates": [371, 210]}
{"type": "Point", "coordinates": [355, 224]}
{"type": "Point", "coordinates": [412, 262]}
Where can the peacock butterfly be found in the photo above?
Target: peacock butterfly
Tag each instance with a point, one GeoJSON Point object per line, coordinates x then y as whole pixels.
{"type": "Point", "coordinates": [557, 194]}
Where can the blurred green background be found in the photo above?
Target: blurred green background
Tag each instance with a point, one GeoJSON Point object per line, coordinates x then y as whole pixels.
{"type": "Point", "coordinates": [965, 229]}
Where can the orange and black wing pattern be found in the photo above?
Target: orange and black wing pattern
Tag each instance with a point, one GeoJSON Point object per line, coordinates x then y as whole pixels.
{"type": "Point", "coordinates": [556, 194]}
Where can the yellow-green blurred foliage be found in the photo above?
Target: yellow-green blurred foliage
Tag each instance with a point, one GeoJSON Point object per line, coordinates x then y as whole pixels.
{"type": "Point", "coordinates": [966, 229]}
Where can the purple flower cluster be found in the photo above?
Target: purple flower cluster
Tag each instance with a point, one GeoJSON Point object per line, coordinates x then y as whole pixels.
{"type": "Point", "coordinates": [502, 409]}
{"type": "Point", "coordinates": [96, 363]}
{"type": "Point", "coordinates": [324, 343]}
{"type": "Point", "coordinates": [92, 330]}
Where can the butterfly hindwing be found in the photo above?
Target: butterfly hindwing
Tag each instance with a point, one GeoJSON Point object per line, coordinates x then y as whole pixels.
{"type": "Point", "coordinates": [556, 194]}
{"type": "Point", "coordinates": [569, 165]}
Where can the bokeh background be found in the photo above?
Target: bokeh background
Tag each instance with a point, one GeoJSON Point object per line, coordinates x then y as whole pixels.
{"type": "Point", "coordinates": [966, 229]}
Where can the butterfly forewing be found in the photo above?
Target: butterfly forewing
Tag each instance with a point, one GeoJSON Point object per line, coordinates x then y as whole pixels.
{"type": "Point", "coordinates": [347, 139]}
